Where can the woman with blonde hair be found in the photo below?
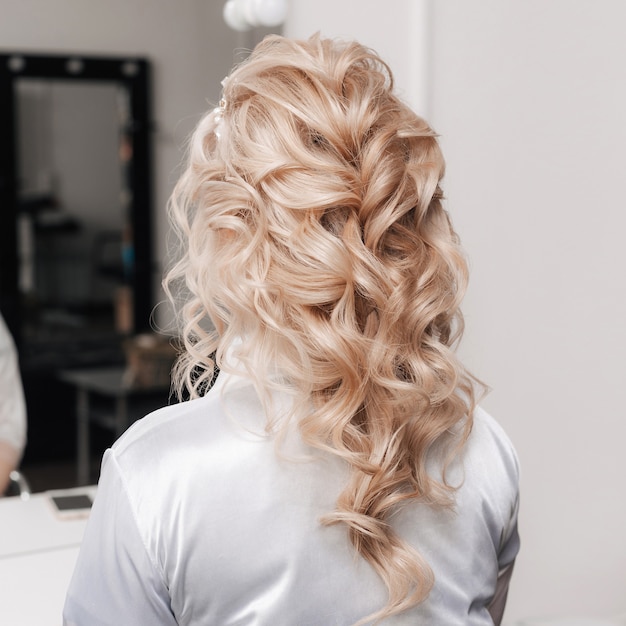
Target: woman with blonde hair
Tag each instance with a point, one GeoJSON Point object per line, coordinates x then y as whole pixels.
{"type": "Point", "coordinates": [339, 471]}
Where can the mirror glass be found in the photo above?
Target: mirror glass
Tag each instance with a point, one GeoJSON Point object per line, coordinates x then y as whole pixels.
{"type": "Point", "coordinates": [74, 229]}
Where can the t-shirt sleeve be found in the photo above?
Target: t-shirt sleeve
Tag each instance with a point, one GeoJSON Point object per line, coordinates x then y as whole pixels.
{"type": "Point", "coordinates": [509, 539]}
{"type": "Point", "coordinates": [12, 404]}
{"type": "Point", "coordinates": [116, 581]}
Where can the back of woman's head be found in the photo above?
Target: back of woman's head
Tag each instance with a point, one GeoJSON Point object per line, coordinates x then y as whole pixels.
{"type": "Point", "coordinates": [315, 238]}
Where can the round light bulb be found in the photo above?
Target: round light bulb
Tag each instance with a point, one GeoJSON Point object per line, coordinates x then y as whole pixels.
{"type": "Point", "coordinates": [242, 15]}
{"type": "Point", "coordinates": [234, 16]}
{"type": "Point", "coordinates": [270, 12]}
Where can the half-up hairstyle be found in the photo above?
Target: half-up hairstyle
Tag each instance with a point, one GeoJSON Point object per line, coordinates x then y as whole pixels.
{"type": "Point", "coordinates": [316, 245]}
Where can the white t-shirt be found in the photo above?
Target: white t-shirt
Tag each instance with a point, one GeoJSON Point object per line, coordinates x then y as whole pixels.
{"type": "Point", "coordinates": [198, 521]}
{"type": "Point", "coordinates": [12, 404]}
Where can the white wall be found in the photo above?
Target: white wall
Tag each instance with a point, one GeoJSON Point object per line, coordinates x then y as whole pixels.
{"type": "Point", "coordinates": [398, 33]}
{"type": "Point", "coordinates": [530, 100]}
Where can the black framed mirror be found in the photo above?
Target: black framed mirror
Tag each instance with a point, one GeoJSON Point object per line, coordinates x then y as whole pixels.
{"type": "Point", "coordinates": [75, 223]}
{"type": "Point", "coordinates": [75, 202]}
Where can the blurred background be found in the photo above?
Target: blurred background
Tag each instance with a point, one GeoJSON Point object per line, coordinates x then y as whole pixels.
{"type": "Point", "coordinates": [529, 99]}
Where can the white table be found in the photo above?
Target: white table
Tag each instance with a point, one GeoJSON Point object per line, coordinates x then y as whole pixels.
{"type": "Point", "coordinates": [38, 551]}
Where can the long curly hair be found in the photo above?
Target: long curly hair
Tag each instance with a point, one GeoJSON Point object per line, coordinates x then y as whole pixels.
{"type": "Point", "coordinates": [315, 241]}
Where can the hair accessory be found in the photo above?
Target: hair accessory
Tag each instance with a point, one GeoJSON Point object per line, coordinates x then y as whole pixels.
{"type": "Point", "coordinates": [218, 113]}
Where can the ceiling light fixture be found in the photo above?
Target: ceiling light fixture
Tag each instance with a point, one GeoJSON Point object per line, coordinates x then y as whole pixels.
{"type": "Point", "coordinates": [242, 15]}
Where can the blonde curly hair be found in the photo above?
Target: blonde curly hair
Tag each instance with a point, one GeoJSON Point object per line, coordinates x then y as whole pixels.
{"type": "Point", "coordinates": [314, 234]}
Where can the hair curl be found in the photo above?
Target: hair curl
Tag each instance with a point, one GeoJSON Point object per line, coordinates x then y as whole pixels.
{"type": "Point", "coordinates": [313, 232]}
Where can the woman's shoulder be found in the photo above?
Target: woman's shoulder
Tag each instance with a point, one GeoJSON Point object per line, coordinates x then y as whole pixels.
{"type": "Point", "coordinates": [489, 444]}
{"type": "Point", "coordinates": [192, 441]}
{"type": "Point", "coordinates": [161, 424]}
{"type": "Point", "coordinates": [490, 475]}
{"type": "Point", "coordinates": [208, 418]}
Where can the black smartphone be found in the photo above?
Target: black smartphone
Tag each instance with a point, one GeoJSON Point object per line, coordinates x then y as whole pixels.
{"type": "Point", "coordinates": [67, 504]}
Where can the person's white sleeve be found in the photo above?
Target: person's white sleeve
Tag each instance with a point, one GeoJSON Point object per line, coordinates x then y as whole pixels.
{"type": "Point", "coordinates": [12, 404]}
{"type": "Point", "coordinates": [116, 582]}
{"type": "Point", "coordinates": [507, 553]}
